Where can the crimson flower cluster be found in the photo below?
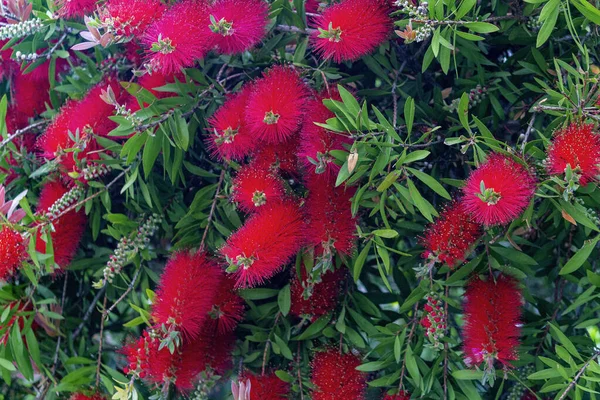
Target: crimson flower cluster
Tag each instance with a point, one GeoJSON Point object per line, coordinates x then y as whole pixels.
{"type": "Point", "coordinates": [334, 376]}
{"type": "Point", "coordinates": [267, 386]}
{"type": "Point", "coordinates": [318, 299]}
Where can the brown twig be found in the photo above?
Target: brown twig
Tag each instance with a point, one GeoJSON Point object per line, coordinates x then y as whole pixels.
{"type": "Point", "coordinates": [581, 371]}
{"type": "Point", "coordinates": [408, 339]}
{"type": "Point", "coordinates": [264, 361]}
{"type": "Point", "coordinates": [88, 313]}
{"type": "Point", "coordinates": [129, 289]}
{"type": "Point", "coordinates": [20, 132]}
{"type": "Point", "coordinates": [99, 360]}
{"type": "Point", "coordinates": [213, 207]}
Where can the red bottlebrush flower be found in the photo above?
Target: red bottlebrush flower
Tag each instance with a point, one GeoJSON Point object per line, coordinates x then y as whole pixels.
{"type": "Point", "coordinates": [312, 6]}
{"type": "Point", "coordinates": [186, 293]}
{"type": "Point", "coordinates": [317, 142]}
{"type": "Point", "coordinates": [178, 38]}
{"type": "Point", "coordinates": [31, 91]}
{"type": "Point", "coordinates": [254, 188]}
{"type": "Point", "coordinates": [229, 137]}
{"type": "Point", "coordinates": [276, 105]}
{"type": "Point", "coordinates": [228, 308]}
{"type": "Point", "coordinates": [68, 229]}
{"type": "Point", "coordinates": [328, 209]}
{"type": "Point", "coordinates": [492, 313]}
{"type": "Point", "coordinates": [451, 237]}
{"type": "Point", "coordinates": [324, 296]}
{"type": "Point", "coordinates": [238, 25]}
{"type": "Point", "coordinates": [12, 251]}
{"type": "Point", "coordinates": [578, 146]}
{"type": "Point", "coordinates": [131, 17]}
{"type": "Point", "coordinates": [401, 395]}
{"type": "Point", "coordinates": [93, 112]}
{"type": "Point", "coordinates": [267, 387]}
{"type": "Point", "coordinates": [82, 396]}
{"type": "Point", "coordinates": [278, 157]}
{"type": "Point", "coordinates": [265, 243]}
{"type": "Point", "coordinates": [351, 29]}
{"type": "Point", "coordinates": [75, 8]}
{"type": "Point", "coordinates": [498, 191]}
{"type": "Point", "coordinates": [434, 320]}
{"type": "Point", "coordinates": [334, 376]}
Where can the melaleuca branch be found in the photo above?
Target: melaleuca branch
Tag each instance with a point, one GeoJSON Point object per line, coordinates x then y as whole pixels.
{"type": "Point", "coordinates": [20, 132]}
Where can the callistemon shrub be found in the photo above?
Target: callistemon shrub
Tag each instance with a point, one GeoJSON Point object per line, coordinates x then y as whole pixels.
{"type": "Point", "coordinates": [299, 199]}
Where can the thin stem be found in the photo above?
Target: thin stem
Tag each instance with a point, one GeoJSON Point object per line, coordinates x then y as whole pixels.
{"type": "Point", "coordinates": [88, 313]}
{"type": "Point", "coordinates": [212, 208]}
{"type": "Point", "coordinates": [20, 132]}
{"type": "Point", "coordinates": [408, 339]}
{"type": "Point", "coordinates": [129, 289]}
{"type": "Point", "coordinates": [581, 371]}
{"type": "Point", "coordinates": [99, 360]}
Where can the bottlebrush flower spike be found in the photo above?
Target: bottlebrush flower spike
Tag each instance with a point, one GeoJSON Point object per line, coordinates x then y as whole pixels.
{"type": "Point", "coordinates": [75, 8]}
{"type": "Point", "coordinates": [498, 191]}
{"type": "Point", "coordinates": [12, 252]}
{"type": "Point", "coordinates": [328, 208]}
{"type": "Point", "coordinates": [265, 243]}
{"type": "Point", "coordinates": [401, 395]}
{"type": "Point", "coordinates": [93, 111]}
{"type": "Point", "coordinates": [450, 238]}
{"type": "Point", "coordinates": [278, 157]}
{"type": "Point", "coordinates": [237, 26]}
{"type": "Point", "coordinates": [131, 17]}
{"type": "Point", "coordinates": [434, 320]}
{"type": "Point", "coordinates": [351, 29]}
{"type": "Point", "coordinates": [31, 91]}
{"type": "Point", "coordinates": [253, 188]}
{"type": "Point", "coordinates": [335, 377]}
{"type": "Point", "coordinates": [492, 313]}
{"type": "Point", "coordinates": [179, 37]}
{"type": "Point", "coordinates": [229, 137]}
{"type": "Point", "coordinates": [82, 396]}
{"type": "Point", "coordinates": [578, 146]}
{"type": "Point", "coordinates": [228, 308]}
{"type": "Point", "coordinates": [186, 293]}
{"type": "Point", "coordinates": [276, 105]}
{"type": "Point", "coordinates": [324, 296]}
{"type": "Point", "coordinates": [68, 229]}
{"type": "Point", "coordinates": [267, 387]}
{"type": "Point", "coordinates": [317, 142]}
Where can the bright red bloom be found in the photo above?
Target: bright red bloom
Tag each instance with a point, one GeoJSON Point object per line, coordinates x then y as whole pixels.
{"type": "Point", "coordinates": [12, 252]}
{"type": "Point", "coordinates": [81, 396]}
{"type": "Point", "coordinates": [229, 137]}
{"type": "Point", "coordinates": [451, 237]}
{"type": "Point", "coordinates": [131, 17]}
{"type": "Point", "coordinates": [335, 377]}
{"type": "Point", "coordinates": [179, 37]}
{"type": "Point", "coordinates": [276, 105]}
{"type": "Point", "coordinates": [328, 208]}
{"type": "Point", "coordinates": [265, 243]}
{"type": "Point", "coordinates": [351, 29]}
{"type": "Point", "coordinates": [402, 395]}
{"type": "Point", "coordinates": [498, 191]}
{"type": "Point", "coordinates": [31, 91]}
{"type": "Point", "coordinates": [254, 188]}
{"type": "Point", "coordinates": [93, 112]}
{"type": "Point", "coordinates": [68, 229]}
{"type": "Point", "coordinates": [239, 25]}
{"type": "Point", "coordinates": [75, 8]}
{"type": "Point", "coordinates": [317, 142]}
{"type": "Point", "coordinates": [228, 308]}
{"type": "Point", "coordinates": [186, 293]}
{"type": "Point", "coordinates": [492, 314]}
{"type": "Point", "coordinates": [278, 157]}
{"type": "Point", "coordinates": [267, 387]}
{"type": "Point", "coordinates": [579, 146]}
{"type": "Point", "coordinates": [324, 296]}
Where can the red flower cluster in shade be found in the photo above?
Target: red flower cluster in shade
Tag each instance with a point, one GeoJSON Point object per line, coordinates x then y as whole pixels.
{"type": "Point", "coordinates": [75, 8]}
{"type": "Point", "coordinates": [186, 293]}
{"type": "Point", "coordinates": [85, 116]}
{"type": "Point", "coordinates": [317, 142]}
{"type": "Point", "coordinates": [498, 191]}
{"type": "Point", "coordinates": [267, 387]}
{"type": "Point", "coordinates": [451, 237]}
{"type": "Point", "coordinates": [81, 396]}
{"type": "Point", "coordinates": [178, 38]}
{"type": "Point", "coordinates": [30, 92]}
{"type": "Point", "coordinates": [492, 313]}
{"type": "Point", "coordinates": [131, 17]}
{"type": "Point", "coordinates": [335, 377]}
{"type": "Point", "coordinates": [324, 296]}
{"type": "Point", "coordinates": [12, 252]}
{"type": "Point", "coordinates": [579, 146]}
{"type": "Point", "coordinates": [228, 308]}
{"type": "Point", "coordinates": [254, 188]}
{"type": "Point", "coordinates": [331, 225]}
{"type": "Point", "coordinates": [276, 105]}
{"type": "Point", "coordinates": [265, 243]}
{"type": "Point", "coordinates": [238, 25]}
{"type": "Point", "coordinates": [68, 229]}
{"type": "Point", "coordinates": [351, 29]}
{"type": "Point", "coordinates": [280, 157]}
{"type": "Point", "coordinates": [401, 395]}
{"type": "Point", "coordinates": [229, 137]}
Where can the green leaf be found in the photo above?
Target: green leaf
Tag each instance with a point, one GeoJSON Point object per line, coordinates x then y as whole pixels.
{"type": "Point", "coordinates": [284, 300]}
{"type": "Point", "coordinates": [360, 261]}
{"type": "Point", "coordinates": [409, 114]}
{"type": "Point", "coordinates": [564, 340]}
{"type": "Point", "coordinates": [419, 200]}
{"type": "Point", "coordinates": [481, 27]}
{"type": "Point", "coordinates": [315, 328]}
{"type": "Point", "coordinates": [349, 100]}
{"type": "Point", "coordinates": [580, 257]}
{"type": "Point", "coordinates": [463, 111]}
{"type": "Point", "coordinates": [549, 16]}
{"type": "Point", "coordinates": [468, 374]}
{"type": "Point", "coordinates": [385, 233]}
{"type": "Point", "coordinates": [4, 363]}
{"type": "Point", "coordinates": [464, 8]}
{"type": "Point", "coordinates": [431, 182]}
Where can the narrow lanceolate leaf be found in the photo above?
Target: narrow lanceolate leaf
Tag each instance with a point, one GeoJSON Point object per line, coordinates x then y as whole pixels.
{"type": "Point", "coordinates": [580, 257]}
